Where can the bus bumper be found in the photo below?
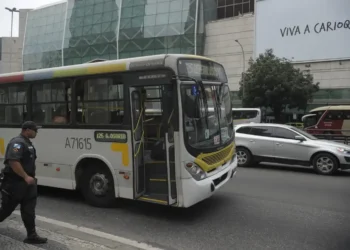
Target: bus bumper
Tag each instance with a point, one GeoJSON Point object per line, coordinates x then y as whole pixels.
{"type": "Point", "coordinates": [196, 191]}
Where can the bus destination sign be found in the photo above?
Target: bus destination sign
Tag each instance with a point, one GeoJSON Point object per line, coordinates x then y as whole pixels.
{"type": "Point", "coordinates": [111, 136]}
{"type": "Point", "coordinates": [202, 70]}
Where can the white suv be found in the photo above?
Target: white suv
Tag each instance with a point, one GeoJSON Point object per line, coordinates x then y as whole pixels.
{"type": "Point", "coordinates": [283, 144]}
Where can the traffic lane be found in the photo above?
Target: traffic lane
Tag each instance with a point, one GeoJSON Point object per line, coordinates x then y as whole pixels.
{"type": "Point", "coordinates": [295, 185]}
{"type": "Point", "coordinates": [261, 208]}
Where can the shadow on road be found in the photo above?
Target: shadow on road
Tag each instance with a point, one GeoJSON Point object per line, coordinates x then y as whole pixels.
{"type": "Point", "coordinates": [297, 169]}
{"type": "Point", "coordinates": [137, 208]}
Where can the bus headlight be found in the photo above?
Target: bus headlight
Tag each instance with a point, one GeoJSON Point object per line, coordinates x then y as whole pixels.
{"type": "Point", "coordinates": [196, 172]}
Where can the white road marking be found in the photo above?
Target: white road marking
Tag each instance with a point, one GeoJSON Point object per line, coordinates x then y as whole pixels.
{"type": "Point", "coordinates": [90, 231]}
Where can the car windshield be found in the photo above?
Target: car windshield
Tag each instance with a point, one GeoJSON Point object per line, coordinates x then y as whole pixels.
{"type": "Point", "coordinates": [307, 135]}
{"type": "Point", "coordinates": [207, 117]}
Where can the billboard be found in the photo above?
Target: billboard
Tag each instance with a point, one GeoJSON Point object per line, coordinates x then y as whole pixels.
{"type": "Point", "coordinates": [303, 30]}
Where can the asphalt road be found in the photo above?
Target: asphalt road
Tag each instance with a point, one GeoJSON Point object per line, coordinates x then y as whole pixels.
{"type": "Point", "coordinates": [261, 208]}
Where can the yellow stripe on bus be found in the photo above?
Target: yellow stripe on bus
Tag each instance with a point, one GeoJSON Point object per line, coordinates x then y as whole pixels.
{"type": "Point", "coordinates": [99, 69]}
{"type": "Point", "coordinates": [2, 146]}
{"type": "Point", "coordinates": [90, 70]}
{"type": "Point", "coordinates": [69, 72]}
{"type": "Point", "coordinates": [153, 200]}
{"type": "Point", "coordinates": [123, 148]}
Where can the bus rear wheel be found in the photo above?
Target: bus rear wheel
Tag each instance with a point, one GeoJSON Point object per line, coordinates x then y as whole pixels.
{"type": "Point", "coordinates": [97, 186]}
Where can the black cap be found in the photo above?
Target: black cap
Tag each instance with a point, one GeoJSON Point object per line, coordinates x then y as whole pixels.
{"type": "Point", "coordinates": [30, 125]}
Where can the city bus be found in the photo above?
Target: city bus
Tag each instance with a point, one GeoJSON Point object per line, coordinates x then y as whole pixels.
{"type": "Point", "coordinates": [246, 115]}
{"type": "Point", "coordinates": [328, 120]}
{"type": "Point", "coordinates": [156, 129]}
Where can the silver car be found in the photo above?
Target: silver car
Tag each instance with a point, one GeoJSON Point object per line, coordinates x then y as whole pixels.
{"type": "Point", "coordinates": [283, 144]}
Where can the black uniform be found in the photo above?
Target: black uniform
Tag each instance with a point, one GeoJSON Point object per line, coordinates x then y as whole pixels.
{"type": "Point", "coordinates": [15, 190]}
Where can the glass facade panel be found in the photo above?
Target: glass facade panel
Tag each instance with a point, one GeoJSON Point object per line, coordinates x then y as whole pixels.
{"type": "Point", "coordinates": [43, 39]}
{"type": "Point", "coordinates": [80, 31]}
{"type": "Point", "coordinates": [339, 94]}
{"type": "Point", "coordinates": [91, 30]}
{"type": "Point", "coordinates": [167, 26]}
{"type": "Point", "coordinates": [232, 8]}
{"type": "Point", "coordinates": [332, 94]}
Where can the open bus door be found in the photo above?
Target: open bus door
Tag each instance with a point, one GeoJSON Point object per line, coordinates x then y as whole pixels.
{"type": "Point", "coordinates": [137, 134]}
{"type": "Point", "coordinates": [154, 165]}
{"type": "Point", "coordinates": [169, 104]}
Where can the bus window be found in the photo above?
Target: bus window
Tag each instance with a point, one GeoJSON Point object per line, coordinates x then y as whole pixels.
{"type": "Point", "coordinates": [51, 102]}
{"type": "Point", "coordinates": [310, 121]}
{"type": "Point", "coordinates": [13, 104]}
{"type": "Point", "coordinates": [246, 115]}
{"type": "Point", "coordinates": [347, 115]}
{"type": "Point", "coordinates": [100, 101]}
{"type": "Point", "coordinates": [333, 115]}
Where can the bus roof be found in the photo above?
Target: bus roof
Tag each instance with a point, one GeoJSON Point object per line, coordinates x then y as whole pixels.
{"type": "Point", "coordinates": [110, 66]}
{"type": "Point", "coordinates": [338, 107]}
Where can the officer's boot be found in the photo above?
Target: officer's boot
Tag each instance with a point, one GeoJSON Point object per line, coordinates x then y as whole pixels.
{"type": "Point", "coordinates": [34, 238]}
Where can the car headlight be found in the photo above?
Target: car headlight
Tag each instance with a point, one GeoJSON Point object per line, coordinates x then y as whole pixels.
{"type": "Point", "coordinates": [343, 150]}
{"type": "Point", "coordinates": [196, 172]}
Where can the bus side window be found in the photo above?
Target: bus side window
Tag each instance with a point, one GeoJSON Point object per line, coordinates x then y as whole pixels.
{"type": "Point", "coordinates": [347, 115]}
{"type": "Point", "coordinates": [334, 115]}
{"type": "Point", "coordinates": [51, 102]}
{"type": "Point", "coordinates": [328, 117]}
{"type": "Point", "coordinates": [100, 101]}
{"type": "Point", "coordinates": [236, 115]}
{"type": "Point", "coordinates": [13, 104]}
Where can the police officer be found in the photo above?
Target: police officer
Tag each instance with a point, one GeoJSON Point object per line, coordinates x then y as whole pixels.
{"type": "Point", "coordinates": [19, 183]}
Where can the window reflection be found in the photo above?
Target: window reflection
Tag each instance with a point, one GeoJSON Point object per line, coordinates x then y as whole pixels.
{"type": "Point", "coordinates": [232, 8]}
{"type": "Point", "coordinates": [89, 29]}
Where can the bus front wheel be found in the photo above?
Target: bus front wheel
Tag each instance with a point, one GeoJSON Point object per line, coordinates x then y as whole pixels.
{"type": "Point", "coordinates": [97, 186]}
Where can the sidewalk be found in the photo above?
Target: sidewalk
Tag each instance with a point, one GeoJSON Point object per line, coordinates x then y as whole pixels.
{"type": "Point", "coordinates": [12, 234]}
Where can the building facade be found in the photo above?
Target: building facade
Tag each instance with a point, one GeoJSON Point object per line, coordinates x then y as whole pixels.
{"type": "Point", "coordinates": [11, 48]}
{"type": "Point", "coordinates": [318, 47]}
{"type": "Point", "coordinates": [74, 32]}
{"type": "Point", "coordinates": [229, 31]}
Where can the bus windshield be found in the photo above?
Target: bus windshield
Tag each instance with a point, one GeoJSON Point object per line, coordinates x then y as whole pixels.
{"type": "Point", "coordinates": [207, 116]}
{"type": "Point", "coordinates": [312, 118]}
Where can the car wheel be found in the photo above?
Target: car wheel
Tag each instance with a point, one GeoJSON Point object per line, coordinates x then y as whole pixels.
{"type": "Point", "coordinates": [244, 157]}
{"type": "Point", "coordinates": [325, 164]}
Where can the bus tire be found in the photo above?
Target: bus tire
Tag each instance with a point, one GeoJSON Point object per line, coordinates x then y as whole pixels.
{"type": "Point", "coordinates": [325, 163]}
{"type": "Point", "coordinates": [97, 186]}
{"type": "Point", "coordinates": [244, 157]}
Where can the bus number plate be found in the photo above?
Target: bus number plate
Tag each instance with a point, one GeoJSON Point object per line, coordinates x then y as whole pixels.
{"type": "Point", "coordinates": [111, 136]}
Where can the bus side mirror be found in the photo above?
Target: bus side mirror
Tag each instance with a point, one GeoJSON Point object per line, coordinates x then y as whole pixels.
{"type": "Point", "coordinates": [299, 138]}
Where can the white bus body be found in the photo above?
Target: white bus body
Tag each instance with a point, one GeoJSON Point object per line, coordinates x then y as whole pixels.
{"type": "Point", "coordinates": [108, 161]}
{"type": "Point", "coordinates": [246, 115]}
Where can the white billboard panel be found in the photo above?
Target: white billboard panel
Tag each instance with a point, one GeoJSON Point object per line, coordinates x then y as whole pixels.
{"type": "Point", "coordinates": [303, 30]}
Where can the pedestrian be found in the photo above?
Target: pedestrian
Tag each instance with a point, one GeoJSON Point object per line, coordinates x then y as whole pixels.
{"type": "Point", "coordinates": [19, 185]}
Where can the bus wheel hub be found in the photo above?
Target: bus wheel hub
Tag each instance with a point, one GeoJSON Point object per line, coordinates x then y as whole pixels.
{"type": "Point", "coordinates": [99, 184]}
